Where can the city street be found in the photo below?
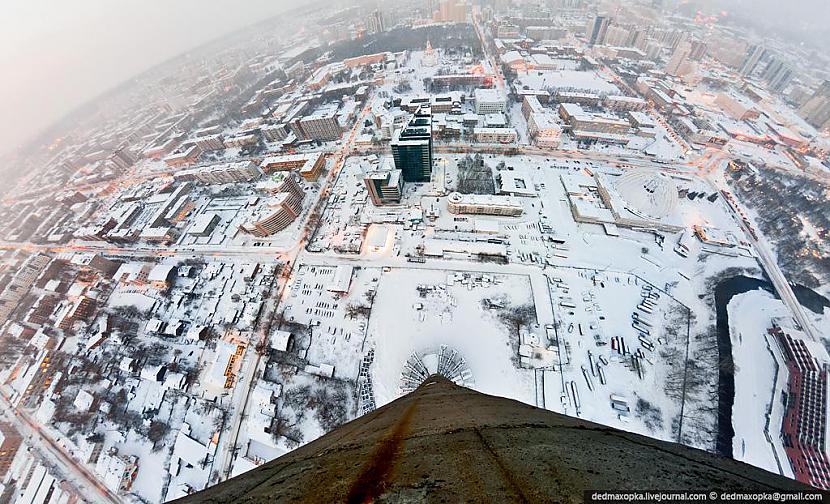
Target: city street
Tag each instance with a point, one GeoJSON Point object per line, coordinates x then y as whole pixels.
{"type": "Point", "coordinates": [87, 485]}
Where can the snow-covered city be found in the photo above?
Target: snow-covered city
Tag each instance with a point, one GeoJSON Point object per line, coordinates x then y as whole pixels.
{"type": "Point", "coordinates": [615, 211]}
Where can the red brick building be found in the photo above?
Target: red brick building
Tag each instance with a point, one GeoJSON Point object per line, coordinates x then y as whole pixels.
{"type": "Point", "coordinates": [804, 427]}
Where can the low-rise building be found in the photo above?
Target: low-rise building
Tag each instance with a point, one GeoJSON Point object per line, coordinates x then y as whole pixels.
{"type": "Point", "coordinates": [161, 277]}
{"type": "Point", "coordinates": [204, 224]}
{"type": "Point", "coordinates": [531, 104]}
{"type": "Point", "coordinates": [579, 120]}
{"type": "Point", "coordinates": [495, 135]}
{"type": "Point", "coordinates": [489, 100]}
{"type": "Point", "coordinates": [159, 234]}
{"type": "Point", "coordinates": [208, 142]}
{"type": "Point", "coordinates": [9, 443]}
{"type": "Point", "coordinates": [184, 157]}
{"type": "Point", "coordinates": [239, 141]}
{"type": "Point", "coordinates": [222, 173]}
{"type": "Point", "coordinates": [117, 472]}
{"type": "Point", "coordinates": [309, 165]}
{"type": "Point", "coordinates": [737, 107]}
{"type": "Point", "coordinates": [544, 129]}
{"type": "Point", "coordinates": [222, 373]}
{"type": "Point", "coordinates": [624, 103]}
{"type": "Point", "coordinates": [480, 204]}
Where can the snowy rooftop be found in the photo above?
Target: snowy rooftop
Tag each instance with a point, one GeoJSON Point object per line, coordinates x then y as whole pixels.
{"type": "Point", "coordinates": [567, 79]}
{"type": "Point", "coordinates": [488, 95]}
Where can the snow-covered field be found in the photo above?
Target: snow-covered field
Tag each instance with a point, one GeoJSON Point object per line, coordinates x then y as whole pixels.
{"type": "Point", "coordinates": [404, 322]}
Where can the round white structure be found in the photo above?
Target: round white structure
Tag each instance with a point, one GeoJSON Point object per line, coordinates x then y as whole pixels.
{"type": "Point", "coordinates": [444, 361]}
{"type": "Point", "coordinates": [647, 193]}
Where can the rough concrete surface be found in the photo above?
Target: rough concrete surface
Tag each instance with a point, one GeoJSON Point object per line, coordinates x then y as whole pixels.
{"type": "Point", "coordinates": [445, 443]}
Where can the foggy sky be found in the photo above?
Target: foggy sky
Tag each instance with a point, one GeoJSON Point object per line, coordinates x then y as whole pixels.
{"type": "Point", "coordinates": [57, 54]}
{"type": "Point", "coordinates": [805, 18]}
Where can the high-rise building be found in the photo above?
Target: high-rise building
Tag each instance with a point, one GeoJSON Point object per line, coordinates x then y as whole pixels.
{"type": "Point", "coordinates": [773, 66]}
{"type": "Point", "coordinates": [412, 148]}
{"type": "Point", "coordinates": [778, 74]}
{"type": "Point", "coordinates": [385, 186]}
{"type": "Point", "coordinates": [652, 50]}
{"type": "Point", "coordinates": [671, 38]}
{"type": "Point", "coordinates": [804, 426]}
{"type": "Point", "coordinates": [753, 56]}
{"type": "Point", "coordinates": [321, 125]}
{"type": "Point", "coordinates": [558, 460]}
{"type": "Point", "coordinates": [375, 22]}
{"type": "Point", "coordinates": [816, 110]}
{"type": "Point", "coordinates": [698, 50]}
{"type": "Point", "coordinates": [452, 11]}
{"type": "Point", "coordinates": [122, 158]}
{"type": "Point", "coordinates": [824, 89]}
{"type": "Point", "coordinates": [678, 59]}
{"type": "Point", "coordinates": [597, 30]}
{"type": "Point", "coordinates": [637, 38]}
{"type": "Point", "coordinates": [617, 36]}
{"type": "Point", "coordinates": [782, 79]}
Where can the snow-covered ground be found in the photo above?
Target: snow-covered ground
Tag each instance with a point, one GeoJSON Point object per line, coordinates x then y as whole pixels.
{"type": "Point", "coordinates": [760, 378]}
{"type": "Point", "coordinates": [594, 309]}
{"type": "Point", "coordinates": [404, 322]}
{"type": "Point", "coordinates": [335, 320]}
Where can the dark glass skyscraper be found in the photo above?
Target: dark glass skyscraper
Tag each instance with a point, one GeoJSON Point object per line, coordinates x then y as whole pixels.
{"type": "Point", "coordinates": [412, 148]}
{"type": "Point", "coordinates": [599, 27]}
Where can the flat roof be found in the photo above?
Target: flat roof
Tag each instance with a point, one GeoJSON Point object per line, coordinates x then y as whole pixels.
{"type": "Point", "coordinates": [489, 95]}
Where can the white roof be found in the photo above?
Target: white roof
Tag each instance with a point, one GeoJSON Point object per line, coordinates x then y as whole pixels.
{"type": "Point", "coordinates": [160, 272]}
{"type": "Point", "coordinates": [326, 370]}
{"type": "Point", "coordinates": [486, 225]}
{"type": "Point", "coordinates": [111, 469]}
{"type": "Point", "coordinates": [434, 247]}
{"type": "Point", "coordinates": [489, 95]}
{"type": "Point", "coordinates": [83, 401]}
{"type": "Point", "coordinates": [279, 340]}
{"type": "Point", "coordinates": [342, 279]}
{"type": "Point", "coordinates": [511, 56]}
{"type": "Point", "coordinates": [545, 120]}
{"type": "Point", "coordinates": [202, 222]}
{"type": "Point", "coordinates": [224, 351]}
{"type": "Point", "coordinates": [189, 450]}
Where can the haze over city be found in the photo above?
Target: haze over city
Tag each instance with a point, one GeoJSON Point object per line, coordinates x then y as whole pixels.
{"type": "Point", "coordinates": [59, 55]}
{"type": "Point", "coordinates": [266, 252]}
{"type": "Point", "coordinates": [94, 46]}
